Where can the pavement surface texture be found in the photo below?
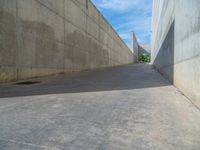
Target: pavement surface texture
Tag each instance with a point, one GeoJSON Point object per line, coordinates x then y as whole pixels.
{"type": "Point", "coordinates": [123, 108]}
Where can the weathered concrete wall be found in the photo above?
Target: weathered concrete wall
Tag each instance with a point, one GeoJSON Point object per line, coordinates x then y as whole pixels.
{"type": "Point", "coordinates": [43, 37]}
{"type": "Point", "coordinates": [175, 44]}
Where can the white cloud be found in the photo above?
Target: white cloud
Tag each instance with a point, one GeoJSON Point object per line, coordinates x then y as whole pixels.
{"type": "Point", "coordinates": [119, 5]}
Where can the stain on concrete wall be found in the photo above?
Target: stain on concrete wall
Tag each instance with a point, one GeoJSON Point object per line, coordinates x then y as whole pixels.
{"type": "Point", "coordinates": [175, 44]}
{"type": "Point", "coordinates": [44, 37]}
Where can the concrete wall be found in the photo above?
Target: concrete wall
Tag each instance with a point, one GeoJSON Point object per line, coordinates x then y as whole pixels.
{"type": "Point", "coordinates": [175, 44]}
{"type": "Point", "coordinates": [144, 49]}
{"type": "Point", "coordinates": [43, 37]}
{"type": "Point", "coordinates": [134, 45]}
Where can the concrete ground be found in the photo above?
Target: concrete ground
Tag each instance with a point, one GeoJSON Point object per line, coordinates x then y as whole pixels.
{"type": "Point", "coordinates": [123, 108]}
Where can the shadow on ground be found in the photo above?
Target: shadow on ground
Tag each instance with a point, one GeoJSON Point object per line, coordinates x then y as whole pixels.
{"type": "Point", "coordinates": [119, 78]}
{"type": "Point", "coordinates": [164, 60]}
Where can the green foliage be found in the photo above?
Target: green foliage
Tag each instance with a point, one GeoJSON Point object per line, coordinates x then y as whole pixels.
{"type": "Point", "coordinates": [144, 58]}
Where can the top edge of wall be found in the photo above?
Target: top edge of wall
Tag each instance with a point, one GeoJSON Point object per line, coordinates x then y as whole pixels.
{"type": "Point", "coordinates": [110, 25]}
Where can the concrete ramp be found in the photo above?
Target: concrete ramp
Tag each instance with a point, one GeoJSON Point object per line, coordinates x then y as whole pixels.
{"type": "Point", "coordinates": [123, 108]}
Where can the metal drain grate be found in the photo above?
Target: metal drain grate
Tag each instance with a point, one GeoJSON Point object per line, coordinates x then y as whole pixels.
{"type": "Point", "coordinates": [27, 83]}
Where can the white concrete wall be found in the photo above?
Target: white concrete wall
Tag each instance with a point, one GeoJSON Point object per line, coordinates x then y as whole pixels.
{"type": "Point", "coordinates": [175, 44]}
{"type": "Point", "coordinates": [134, 45]}
{"type": "Point", "coordinates": [44, 37]}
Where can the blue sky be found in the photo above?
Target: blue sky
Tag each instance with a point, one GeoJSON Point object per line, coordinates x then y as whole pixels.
{"type": "Point", "coordinates": [128, 15]}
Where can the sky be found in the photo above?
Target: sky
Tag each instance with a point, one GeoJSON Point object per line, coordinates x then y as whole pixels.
{"type": "Point", "coordinates": [128, 15]}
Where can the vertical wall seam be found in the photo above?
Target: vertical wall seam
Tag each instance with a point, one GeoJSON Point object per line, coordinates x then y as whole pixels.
{"type": "Point", "coordinates": [64, 36]}
{"type": "Point", "coordinates": [17, 48]}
